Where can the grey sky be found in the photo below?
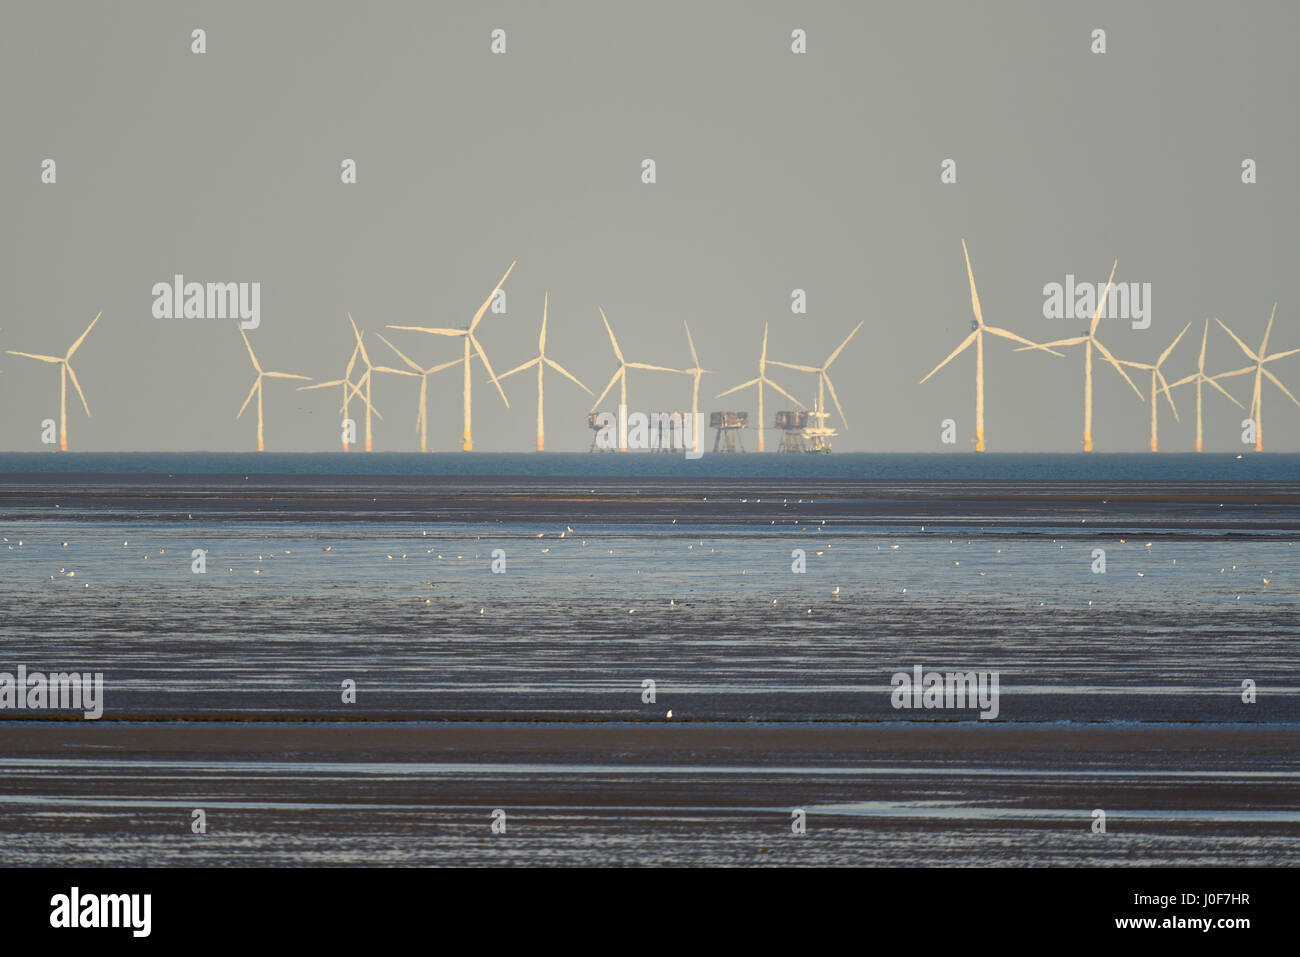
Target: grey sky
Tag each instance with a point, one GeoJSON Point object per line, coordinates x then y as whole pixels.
{"type": "Point", "coordinates": [775, 171]}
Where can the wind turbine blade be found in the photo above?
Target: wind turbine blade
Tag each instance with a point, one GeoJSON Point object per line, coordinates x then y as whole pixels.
{"type": "Point", "coordinates": [1161, 377]}
{"type": "Point", "coordinates": [607, 388]}
{"type": "Point", "coordinates": [1184, 380]}
{"type": "Point", "coordinates": [256, 383]}
{"type": "Point", "coordinates": [286, 375]}
{"type": "Point", "coordinates": [249, 345]}
{"type": "Point", "coordinates": [773, 385]}
{"type": "Point", "coordinates": [1234, 372]}
{"type": "Point", "coordinates": [487, 365]}
{"type": "Point", "coordinates": [836, 353]}
{"type": "Point", "coordinates": [1101, 304]}
{"type": "Point", "coordinates": [1281, 355]}
{"type": "Point", "coordinates": [541, 340]}
{"type": "Point", "coordinates": [762, 359]}
{"type": "Point", "coordinates": [1272, 378]}
{"type": "Point", "coordinates": [32, 355]}
{"type": "Point", "coordinates": [1263, 346]}
{"type": "Point", "coordinates": [1165, 355]}
{"type": "Point", "coordinates": [737, 388]}
{"type": "Point", "coordinates": [642, 365]}
{"type": "Point", "coordinates": [319, 385]}
{"type": "Point", "coordinates": [432, 332]}
{"type": "Point", "coordinates": [1225, 392]}
{"type": "Point", "coordinates": [360, 344]}
{"type": "Point", "coordinates": [73, 376]}
{"type": "Point", "coordinates": [399, 352]}
{"type": "Point", "coordinates": [618, 353]}
{"type": "Point", "coordinates": [565, 372]}
{"type": "Point", "coordinates": [391, 371]}
{"type": "Point", "coordinates": [974, 296]}
{"type": "Point", "coordinates": [1118, 368]}
{"type": "Point", "coordinates": [357, 393]}
{"type": "Point", "coordinates": [791, 365]}
{"type": "Point", "coordinates": [1136, 365]}
{"type": "Point", "coordinates": [1048, 346]}
{"type": "Point", "coordinates": [695, 360]}
{"type": "Point", "coordinates": [355, 389]}
{"type": "Point", "coordinates": [487, 302]}
{"type": "Point", "coordinates": [1243, 345]}
{"type": "Point", "coordinates": [527, 365]}
{"type": "Point", "coordinates": [82, 338]}
{"type": "Point", "coordinates": [830, 387]}
{"type": "Point", "coordinates": [965, 343]}
{"type": "Point", "coordinates": [1003, 333]}
{"type": "Point", "coordinates": [445, 365]}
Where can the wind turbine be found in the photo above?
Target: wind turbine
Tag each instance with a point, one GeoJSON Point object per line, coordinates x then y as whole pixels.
{"type": "Point", "coordinates": [1158, 378]}
{"type": "Point", "coordinates": [1260, 359]}
{"type": "Point", "coordinates": [365, 380]}
{"type": "Point", "coordinates": [422, 416]}
{"type": "Point", "coordinates": [1200, 378]}
{"type": "Point", "coordinates": [977, 337]}
{"type": "Point", "coordinates": [65, 373]}
{"type": "Point", "coordinates": [257, 387]}
{"type": "Point", "coordinates": [824, 382]}
{"type": "Point", "coordinates": [467, 440]}
{"type": "Point", "coordinates": [621, 377]}
{"type": "Point", "coordinates": [350, 389]}
{"type": "Point", "coordinates": [1090, 341]}
{"type": "Point", "coordinates": [697, 373]}
{"type": "Point", "coordinates": [542, 360]}
{"type": "Point", "coordinates": [760, 381]}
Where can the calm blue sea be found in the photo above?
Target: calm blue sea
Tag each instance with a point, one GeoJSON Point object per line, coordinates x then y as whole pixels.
{"type": "Point", "coordinates": [1132, 467]}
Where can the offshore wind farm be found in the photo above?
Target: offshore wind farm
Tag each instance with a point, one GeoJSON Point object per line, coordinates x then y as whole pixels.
{"type": "Point", "coordinates": [813, 436]}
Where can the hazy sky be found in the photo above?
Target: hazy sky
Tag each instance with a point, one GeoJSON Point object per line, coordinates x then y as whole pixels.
{"type": "Point", "coordinates": [775, 171]}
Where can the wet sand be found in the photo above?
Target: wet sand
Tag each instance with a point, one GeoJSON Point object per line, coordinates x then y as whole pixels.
{"type": "Point", "coordinates": [664, 793]}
